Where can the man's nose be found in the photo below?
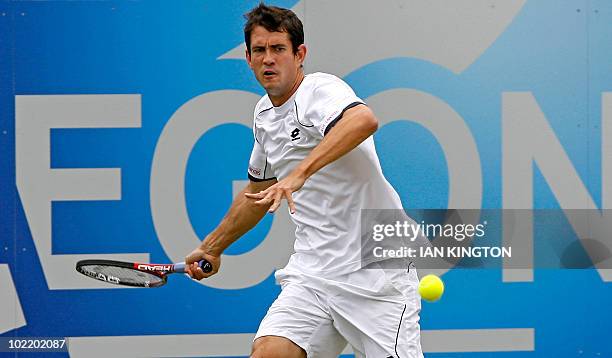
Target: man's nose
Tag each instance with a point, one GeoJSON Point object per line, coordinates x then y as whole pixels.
{"type": "Point", "coordinates": [268, 57]}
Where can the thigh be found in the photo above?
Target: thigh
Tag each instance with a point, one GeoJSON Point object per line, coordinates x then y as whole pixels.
{"type": "Point", "coordinates": [300, 315]}
{"type": "Point", "coordinates": [380, 319]}
{"type": "Point", "coordinates": [273, 346]}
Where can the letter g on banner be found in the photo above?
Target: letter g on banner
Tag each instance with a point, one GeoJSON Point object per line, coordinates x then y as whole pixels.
{"type": "Point", "coordinates": [168, 205]}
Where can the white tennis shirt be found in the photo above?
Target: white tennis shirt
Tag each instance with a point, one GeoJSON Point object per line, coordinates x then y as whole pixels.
{"type": "Point", "coordinates": [328, 206]}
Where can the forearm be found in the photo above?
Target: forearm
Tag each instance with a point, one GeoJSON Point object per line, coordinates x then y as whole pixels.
{"type": "Point", "coordinates": [242, 216]}
{"type": "Point", "coordinates": [356, 126]}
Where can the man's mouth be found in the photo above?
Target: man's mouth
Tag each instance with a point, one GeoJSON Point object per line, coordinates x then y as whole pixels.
{"type": "Point", "coordinates": [269, 73]}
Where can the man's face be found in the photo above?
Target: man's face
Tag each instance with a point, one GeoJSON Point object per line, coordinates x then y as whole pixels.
{"type": "Point", "coordinates": [273, 61]}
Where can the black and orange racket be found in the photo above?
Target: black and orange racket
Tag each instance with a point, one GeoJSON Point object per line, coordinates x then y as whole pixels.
{"type": "Point", "coordinates": [133, 274]}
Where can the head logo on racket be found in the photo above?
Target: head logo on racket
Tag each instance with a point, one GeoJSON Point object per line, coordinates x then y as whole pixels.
{"type": "Point", "coordinates": [133, 274]}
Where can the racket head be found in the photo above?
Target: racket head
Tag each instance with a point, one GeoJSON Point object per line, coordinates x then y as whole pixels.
{"type": "Point", "coordinates": [120, 273]}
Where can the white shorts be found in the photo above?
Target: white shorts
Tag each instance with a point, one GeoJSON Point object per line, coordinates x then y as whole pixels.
{"type": "Point", "coordinates": [376, 311]}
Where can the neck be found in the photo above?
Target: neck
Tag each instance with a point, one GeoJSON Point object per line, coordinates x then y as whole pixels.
{"type": "Point", "coordinates": [277, 101]}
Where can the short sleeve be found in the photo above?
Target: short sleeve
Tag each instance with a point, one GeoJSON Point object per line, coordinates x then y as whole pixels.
{"type": "Point", "coordinates": [259, 168]}
{"type": "Point", "coordinates": [331, 97]}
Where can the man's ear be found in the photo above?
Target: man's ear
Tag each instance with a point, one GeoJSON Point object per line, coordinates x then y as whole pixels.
{"type": "Point", "coordinates": [301, 53]}
{"type": "Point", "coordinates": [247, 54]}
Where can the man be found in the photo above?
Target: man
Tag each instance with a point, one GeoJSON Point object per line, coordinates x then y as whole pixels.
{"type": "Point", "coordinates": [314, 148]}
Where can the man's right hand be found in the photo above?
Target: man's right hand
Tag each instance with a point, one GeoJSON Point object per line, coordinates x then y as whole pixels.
{"type": "Point", "coordinates": [194, 270]}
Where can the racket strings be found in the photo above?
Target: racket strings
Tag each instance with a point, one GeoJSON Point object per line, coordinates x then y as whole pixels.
{"type": "Point", "coordinates": [122, 275]}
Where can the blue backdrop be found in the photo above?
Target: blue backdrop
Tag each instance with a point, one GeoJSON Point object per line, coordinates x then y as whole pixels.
{"type": "Point", "coordinates": [169, 53]}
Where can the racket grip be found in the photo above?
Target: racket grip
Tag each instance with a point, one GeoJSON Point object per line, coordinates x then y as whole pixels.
{"type": "Point", "coordinates": [204, 265]}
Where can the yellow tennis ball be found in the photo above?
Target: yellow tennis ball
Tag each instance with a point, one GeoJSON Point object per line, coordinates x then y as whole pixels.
{"type": "Point", "coordinates": [431, 288]}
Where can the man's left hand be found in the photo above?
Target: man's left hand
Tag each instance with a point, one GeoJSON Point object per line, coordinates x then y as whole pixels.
{"type": "Point", "coordinates": [276, 193]}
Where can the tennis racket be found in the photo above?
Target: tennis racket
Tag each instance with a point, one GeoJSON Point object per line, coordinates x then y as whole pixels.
{"type": "Point", "coordinates": [133, 273]}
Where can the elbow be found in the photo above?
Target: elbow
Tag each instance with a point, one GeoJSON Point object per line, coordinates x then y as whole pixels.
{"type": "Point", "coordinates": [370, 123]}
{"type": "Point", "coordinates": [374, 124]}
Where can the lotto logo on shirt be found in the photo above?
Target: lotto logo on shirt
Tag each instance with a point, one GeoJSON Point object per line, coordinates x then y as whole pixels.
{"type": "Point", "coordinates": [295, 134]}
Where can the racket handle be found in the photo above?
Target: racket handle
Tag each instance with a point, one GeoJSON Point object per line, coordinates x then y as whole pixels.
{"type": "Point", "coordinates": [204, 265]}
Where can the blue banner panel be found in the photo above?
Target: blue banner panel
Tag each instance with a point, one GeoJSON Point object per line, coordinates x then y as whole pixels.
{"type": "Point", "coordinates": [126, 130]}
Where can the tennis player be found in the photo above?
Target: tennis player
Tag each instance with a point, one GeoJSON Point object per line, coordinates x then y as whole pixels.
{"type": "Point", "coordinates": [314, 148]}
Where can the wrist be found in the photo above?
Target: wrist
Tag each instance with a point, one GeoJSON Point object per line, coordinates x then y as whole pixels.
{"type": "Point", "coordinates": [209, 247]}
{"type": "Point", "coordinates": [302, 171]}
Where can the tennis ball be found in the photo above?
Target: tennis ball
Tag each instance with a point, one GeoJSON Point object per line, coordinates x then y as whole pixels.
{"type": "Point", "coordinates": [431, 288]}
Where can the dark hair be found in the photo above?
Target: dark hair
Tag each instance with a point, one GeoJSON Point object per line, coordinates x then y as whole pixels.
{"type": "Point", "coordinates": [274, 19]}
